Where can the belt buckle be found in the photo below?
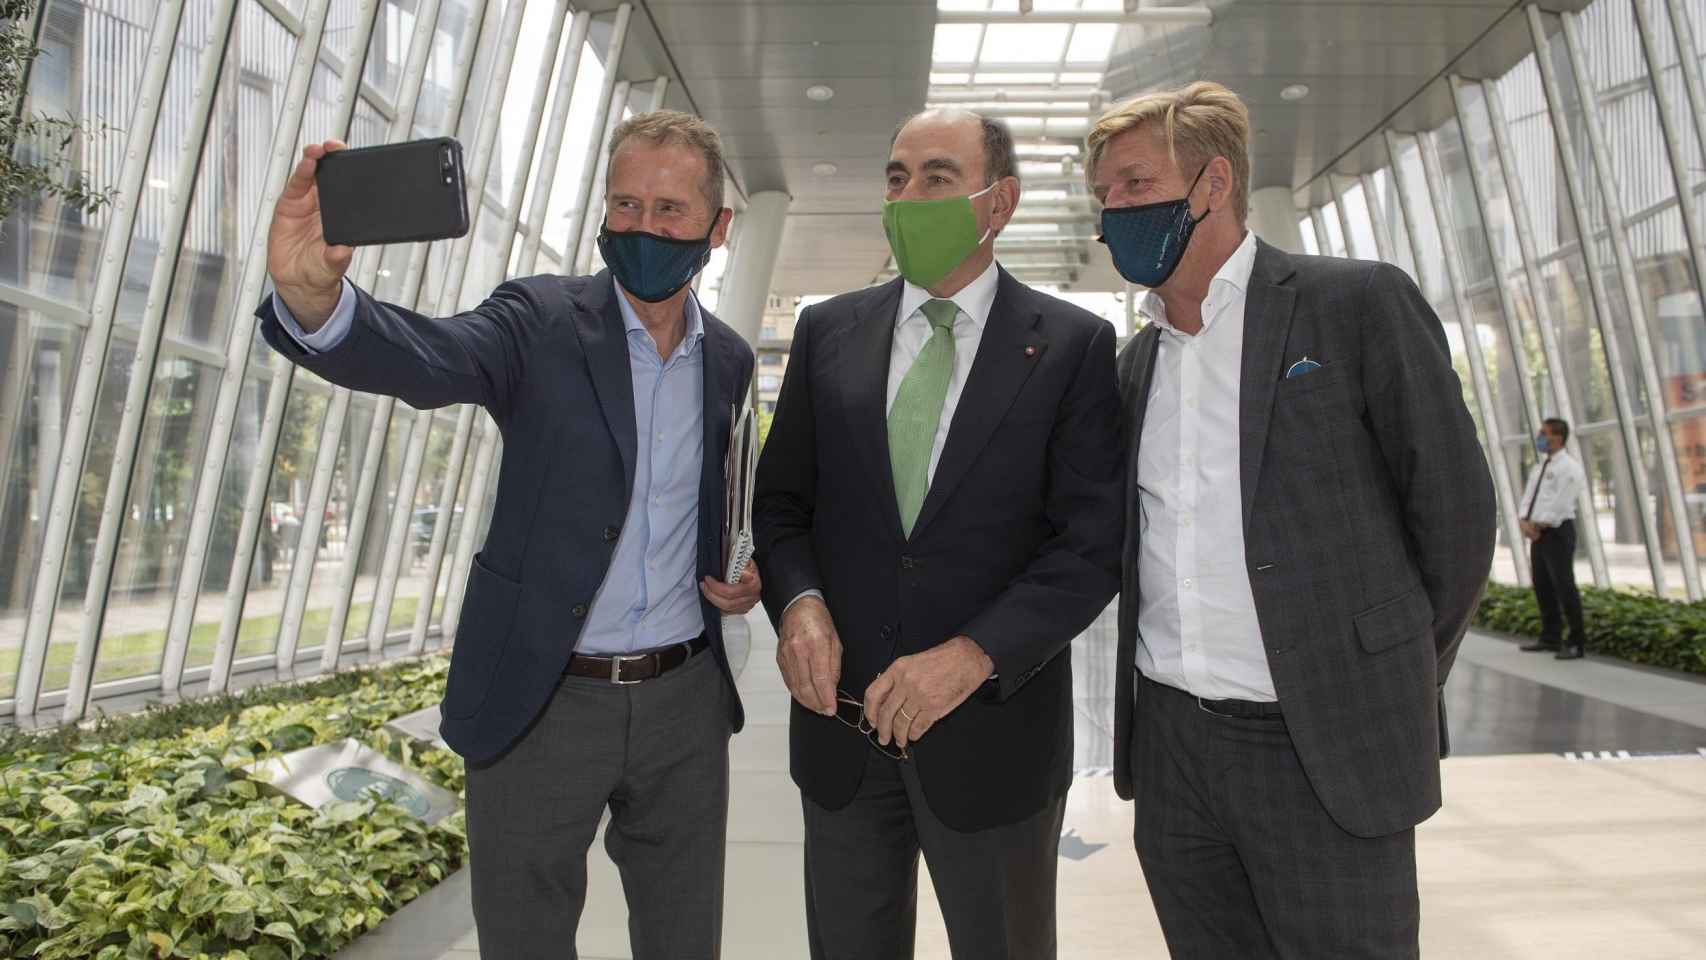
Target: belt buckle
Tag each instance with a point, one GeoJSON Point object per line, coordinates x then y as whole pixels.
{"type": "Point", "coordinates": [616, 669]}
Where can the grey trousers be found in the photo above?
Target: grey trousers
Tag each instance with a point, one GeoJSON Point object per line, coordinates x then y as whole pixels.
{"type": "Point", "coordinates": [996, 887]}
{"type": "Point", "coordinates": [657, 755]}
{"type": "Point", "coordinates": [1240, 857]}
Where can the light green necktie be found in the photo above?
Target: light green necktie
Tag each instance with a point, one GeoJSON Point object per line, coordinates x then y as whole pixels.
{"type": "Point", "coordinates": [917, 411]}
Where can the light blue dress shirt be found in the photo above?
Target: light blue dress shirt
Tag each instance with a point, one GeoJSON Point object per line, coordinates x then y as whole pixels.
{"type": "Point", "coordinates": [650, 595]}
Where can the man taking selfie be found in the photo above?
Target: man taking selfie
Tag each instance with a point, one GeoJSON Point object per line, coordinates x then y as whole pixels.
{"type": "Point", "coordinates": [589, 670]}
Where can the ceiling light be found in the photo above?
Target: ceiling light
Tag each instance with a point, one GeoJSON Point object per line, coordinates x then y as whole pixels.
{"type": "Point", "coordinates": [819, 92]}
{"type": "Point", "coordinates": [1296, 91]}
{"type": "Point", "coordinates": [158, 183]}
{"type": "Point", "coordinates": [824, 168]}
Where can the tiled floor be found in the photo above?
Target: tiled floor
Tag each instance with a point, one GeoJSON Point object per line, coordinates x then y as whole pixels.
{"type": "Point", "coordinates": [1534, 855]}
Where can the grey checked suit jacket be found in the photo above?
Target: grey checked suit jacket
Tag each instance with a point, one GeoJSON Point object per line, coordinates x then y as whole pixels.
{"type": "Point", "coordinates": [1368, 526]}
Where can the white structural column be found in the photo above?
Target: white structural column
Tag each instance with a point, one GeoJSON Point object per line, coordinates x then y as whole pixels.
{"type": "Point", "coordinates": [1273, 217]}
{"type": "Point", "coordinates": [1430, 188]}
{"type": "Point", "coordinates": [1544, 322]}
{"type": "Point", "coordinates": [746, 281]}
{"type": "Point", "coordinates": [1646, 360]}
{"type": "Point", "coordinates": [74, 444]}
{"type": "Point", "coordinates": [366, 269]}
{"type": "Point", "coordinates": [1611, 337]}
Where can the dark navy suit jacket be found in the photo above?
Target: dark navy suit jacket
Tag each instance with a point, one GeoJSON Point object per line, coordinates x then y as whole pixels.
{"type": "Point", "coordinates": [547, 356]}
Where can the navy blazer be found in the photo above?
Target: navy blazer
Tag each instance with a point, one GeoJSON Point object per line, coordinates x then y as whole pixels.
{"type": "Point", "coordinates": [547, 356]}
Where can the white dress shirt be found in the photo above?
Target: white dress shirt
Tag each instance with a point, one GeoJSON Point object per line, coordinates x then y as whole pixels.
{"type": "Point", "coordinates": [1551, 500]}
{"type": "Point", "coordinates": [912, 330]}
{"type": "Point", "coordinates": [1196, 622]}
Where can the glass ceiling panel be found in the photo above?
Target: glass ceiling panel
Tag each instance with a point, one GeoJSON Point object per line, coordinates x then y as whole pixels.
{"type": "Point", "coordinates": [1025, 42]}
{"type": "Point", "coordinates": [1091, 42]}
{"type": "Point", "coordinates": [956, 42]}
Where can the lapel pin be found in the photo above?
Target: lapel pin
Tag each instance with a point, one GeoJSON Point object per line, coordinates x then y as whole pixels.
{"type": "Point", "coordinates": [1030, 351]}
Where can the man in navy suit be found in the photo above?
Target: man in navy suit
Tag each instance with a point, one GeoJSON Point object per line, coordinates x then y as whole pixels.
{"type": "Point", "coordinates": [589, 670]}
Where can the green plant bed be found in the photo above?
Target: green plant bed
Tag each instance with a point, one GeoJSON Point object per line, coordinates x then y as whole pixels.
{"type": "Point", "coordinates": [139, 838]}
{"type": "Point", "coordinates": [1634, 627]}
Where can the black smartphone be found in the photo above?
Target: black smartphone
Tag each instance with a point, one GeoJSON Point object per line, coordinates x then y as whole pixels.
{"type": "Point", "coordinates": [393, 193]}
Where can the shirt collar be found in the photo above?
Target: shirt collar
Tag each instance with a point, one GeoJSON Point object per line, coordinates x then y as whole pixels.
{"type": "Point", "coordinates": [631, 321]}
{"type": "Point", "coordinates": [975, 299]}
{"type": "Point", "coordinates": [1233, 276]}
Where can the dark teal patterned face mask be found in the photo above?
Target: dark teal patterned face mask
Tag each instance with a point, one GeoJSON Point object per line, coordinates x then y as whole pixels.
{"type": "Point", "coordinates": [652, 267]}
{"type": "Point", "coordinates": [1148, 241]}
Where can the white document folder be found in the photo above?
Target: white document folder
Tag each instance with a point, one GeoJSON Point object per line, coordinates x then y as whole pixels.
{"type": "Point", "coordinates": [740, 468]}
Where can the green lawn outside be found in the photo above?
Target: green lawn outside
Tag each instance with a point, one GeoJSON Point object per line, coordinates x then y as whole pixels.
{"type": "Point", "coordinates": [133, 654]}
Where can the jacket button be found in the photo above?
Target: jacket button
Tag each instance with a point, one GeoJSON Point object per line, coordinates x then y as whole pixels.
{"type": "Point", "coordinates": [907, 563]}
{"type": "Point", "coordinates": [579, 611]}
{"type": "Point", "coordinates": [888, 632]}
{"type": "Point", "coordinates": [611, 533]}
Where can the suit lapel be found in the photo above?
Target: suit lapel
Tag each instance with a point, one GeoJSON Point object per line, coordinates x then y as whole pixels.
{"type": "Point", "coordinates": [1267, 326]}
{"type": "Point", "coordinates": [871, 338]}
{"type": "Point", "coordinates": [1009, 351]}
{"type": "Point", "coordinates": [604, 341]}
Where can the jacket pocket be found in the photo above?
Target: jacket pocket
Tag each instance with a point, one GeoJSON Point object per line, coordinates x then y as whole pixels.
{"type": "Point", "coordinates": [1390, 623]}
{"type": "Point", "coordinates": [482, 636]}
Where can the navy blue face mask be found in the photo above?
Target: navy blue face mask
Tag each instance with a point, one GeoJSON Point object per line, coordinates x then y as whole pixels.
{"type": "Point", "coordinates": [651, 267]}
{"type": "Point", "coordinates": [1148, 241]}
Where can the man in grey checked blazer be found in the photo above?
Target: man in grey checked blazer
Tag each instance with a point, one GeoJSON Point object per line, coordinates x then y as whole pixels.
{"type": "Point", "coordinates": [1310, 522]}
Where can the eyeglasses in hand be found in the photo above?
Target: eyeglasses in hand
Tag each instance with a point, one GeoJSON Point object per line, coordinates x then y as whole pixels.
{"type": "Point", "coordinates": [851, 712]}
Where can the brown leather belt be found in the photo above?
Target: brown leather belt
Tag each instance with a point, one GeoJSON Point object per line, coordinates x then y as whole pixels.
{"type": "Point", "coordinates": [637, 667]}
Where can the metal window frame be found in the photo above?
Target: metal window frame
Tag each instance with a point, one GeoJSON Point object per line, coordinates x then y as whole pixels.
{"type": "Point", "coordinates": [507, 234]}
{"type": "Point", "coordinates": [1351, 250]}
{"type": "Point", "coordinates": [1683, 30]}
{"type": "Point", "coordinates": [1647, 362]}
{"type": "Point", "coordinates": [1471, 343]}
{"type": "Point", "coordinates": [1481, 186]}
{"type": "Point", "coordinates": [1544, 320]}
{"type": "Point", "coordinates": [532, 245]}
{"type": "Point", "coordinates": [1376, 219]}
{"type": "Point", "coordinates": [457, 266]}
{"type": "Point", "coordinates": [338, 413]}
{"type": "Point", "coordinates": [1318, 223]}
{"type": "Point", "coordinates": [1611, 341]}
{"type": "Point", "coordinates": [97, 339]}
{"type": "Point", "coordinates": [590, 225]}
{"type": "Point", "coordinates": [595, 146]}
{"type": "Point", "coordinates": [379, 430]}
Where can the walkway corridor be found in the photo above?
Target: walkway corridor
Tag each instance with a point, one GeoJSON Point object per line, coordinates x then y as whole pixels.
{"type": "Point", "coordinates": [1536, 854]}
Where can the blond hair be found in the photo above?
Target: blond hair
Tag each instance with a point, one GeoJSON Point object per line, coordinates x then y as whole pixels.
{"type": "Point", "coordinates": [1197, 123]}
{"type": "Point", "coordinates": [661, 127]}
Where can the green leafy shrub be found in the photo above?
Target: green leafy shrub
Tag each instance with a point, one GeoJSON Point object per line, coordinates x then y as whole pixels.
{"type": "Point", "coordinates": [1638, 628]}
{"type": "Point", "coordinates": [141, 839]}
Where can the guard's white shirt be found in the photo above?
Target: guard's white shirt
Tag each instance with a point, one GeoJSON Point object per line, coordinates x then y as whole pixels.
{"type": "Point", "coordinates": [1551, 500]}
{"type": "Point", "coordinates": [1196, 623]}
{"type": "Point", "coordinates": [912, 330]}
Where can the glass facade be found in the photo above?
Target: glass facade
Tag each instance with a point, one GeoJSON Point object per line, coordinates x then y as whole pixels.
{"type": "Point", "coordinates": [1548, 224]}
{"type": "Point", "coordinates": [176, 505]}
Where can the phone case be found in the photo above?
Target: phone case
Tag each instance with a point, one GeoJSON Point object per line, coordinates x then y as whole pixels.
{"type": "Point", "coordinates": [393, 193]}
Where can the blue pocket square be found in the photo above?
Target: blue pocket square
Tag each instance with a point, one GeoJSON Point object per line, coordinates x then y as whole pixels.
{"type": "Point", "coordinates": [1302, 367]}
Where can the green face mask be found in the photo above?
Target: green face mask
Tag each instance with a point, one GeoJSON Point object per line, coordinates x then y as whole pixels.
{"type": "Point", "coordinates": [932, 237]}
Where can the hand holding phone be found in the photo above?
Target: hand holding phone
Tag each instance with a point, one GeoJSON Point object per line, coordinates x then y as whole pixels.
{"type": "Point", "coordinates": [306, 271]}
